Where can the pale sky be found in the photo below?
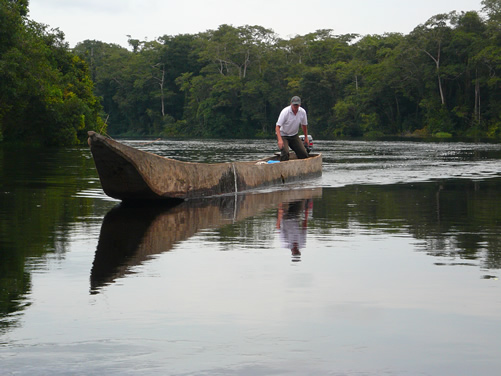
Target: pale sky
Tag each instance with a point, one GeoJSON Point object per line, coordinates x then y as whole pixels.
{"type": "Point", "coordinates": [111, 21]}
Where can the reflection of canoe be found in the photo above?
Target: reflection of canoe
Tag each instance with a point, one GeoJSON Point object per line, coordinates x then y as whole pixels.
{"type": "Point", "coordinates": [132, 234]}
{"type": "Point", "coordinates": [131, 174]}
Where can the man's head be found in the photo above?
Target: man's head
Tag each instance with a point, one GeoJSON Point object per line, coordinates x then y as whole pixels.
{"type": "Point", "coordinates": [295, 249]}
{"type": "Point", "coordinates": [296, 100]}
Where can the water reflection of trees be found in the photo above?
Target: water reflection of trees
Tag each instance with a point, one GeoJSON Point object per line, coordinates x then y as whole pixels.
{"type": "Point", "coordinates": [454, 218]}
{"type": "Point", "coordinates": [38, 212]}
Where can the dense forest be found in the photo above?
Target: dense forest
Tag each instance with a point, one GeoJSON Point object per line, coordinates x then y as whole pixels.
{"type": "Point", "coordinates": [46, 95]}
{"type": "Point", "coordinates": [442, 79]}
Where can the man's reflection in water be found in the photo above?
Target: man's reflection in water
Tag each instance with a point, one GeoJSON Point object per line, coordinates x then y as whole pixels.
{"type": "Point", "coordinates": [292, 222]}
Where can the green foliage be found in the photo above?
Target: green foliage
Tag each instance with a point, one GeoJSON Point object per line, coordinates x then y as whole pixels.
{"type": "Point", "coordinates": [442, 135]}
{"type": "Point", "coordinates": [46, 94]}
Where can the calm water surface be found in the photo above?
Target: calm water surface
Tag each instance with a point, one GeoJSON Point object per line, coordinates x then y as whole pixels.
{"type": "Point", "coordinates": [388, 264]}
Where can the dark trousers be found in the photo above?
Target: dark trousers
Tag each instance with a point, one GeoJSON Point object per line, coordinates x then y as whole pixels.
{"type": "Point", "coordinates": [295, 143]}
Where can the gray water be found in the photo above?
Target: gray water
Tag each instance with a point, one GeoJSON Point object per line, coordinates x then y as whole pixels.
{"type": "Point", "coordinates": [398, 271]}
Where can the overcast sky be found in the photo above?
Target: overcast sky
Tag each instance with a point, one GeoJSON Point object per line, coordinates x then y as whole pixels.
{"type": "Point", "coordinates": [112, 20]}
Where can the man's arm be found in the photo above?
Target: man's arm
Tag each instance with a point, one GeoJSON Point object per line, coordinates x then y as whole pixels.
{"type": "Point", "coordinates": [305, 132]}
{"type": "Point", "coordinates": [279, 138]}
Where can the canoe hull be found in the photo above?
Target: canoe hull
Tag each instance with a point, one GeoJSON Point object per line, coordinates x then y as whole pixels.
{"type": "Point", "coordinates": [127, 173]}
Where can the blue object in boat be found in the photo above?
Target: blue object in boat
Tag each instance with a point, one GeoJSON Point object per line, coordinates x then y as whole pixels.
{"type": "Point", "coordinates": [273, 161]}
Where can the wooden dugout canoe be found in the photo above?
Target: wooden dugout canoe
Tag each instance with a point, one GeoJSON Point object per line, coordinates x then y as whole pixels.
{"type": "Point", "coordinates": [127, 173]}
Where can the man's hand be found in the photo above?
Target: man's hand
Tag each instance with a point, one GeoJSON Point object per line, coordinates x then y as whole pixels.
{"type": "Point", "coordinates": [280, 144]}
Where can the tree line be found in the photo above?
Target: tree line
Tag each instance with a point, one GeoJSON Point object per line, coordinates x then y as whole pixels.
{"type": "Point", "coordinates": [439, 80]}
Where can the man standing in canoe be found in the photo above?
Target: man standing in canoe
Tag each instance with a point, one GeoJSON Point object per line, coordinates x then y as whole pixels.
{"type": "Point", "coordinates": [287, 129]}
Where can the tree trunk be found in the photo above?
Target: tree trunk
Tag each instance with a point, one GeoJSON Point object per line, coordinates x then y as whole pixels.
{"type": "Point", "coordinates": [399, 118]}
{"type": "Point", "coordinates": [246, 63]}
{"type": "Point", "coordinates": [161, 83]}
{"type": "Point", "coordinates": [437, 65]}
{"type": "Point", "coordinates": [477, 98]}
{"type": "Point", "coordinates": [162, 94]}
{"type": "Point", "coordinates": [440, 89]}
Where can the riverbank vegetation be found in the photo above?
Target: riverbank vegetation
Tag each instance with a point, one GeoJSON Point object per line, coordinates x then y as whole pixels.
{"type": "Point", "coordinates": [442, 79]}
{"type": "Point", "coordinates": [46, 95]}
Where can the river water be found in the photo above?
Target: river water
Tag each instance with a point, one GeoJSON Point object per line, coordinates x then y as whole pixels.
{"type": "Point", "coordinates": [387, 264]}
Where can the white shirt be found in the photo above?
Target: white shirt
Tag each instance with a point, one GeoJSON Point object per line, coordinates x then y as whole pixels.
{"type": "Point", "coordinates": [289, 123]}
{"type": "Point", "coordinates": [292, 233]}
